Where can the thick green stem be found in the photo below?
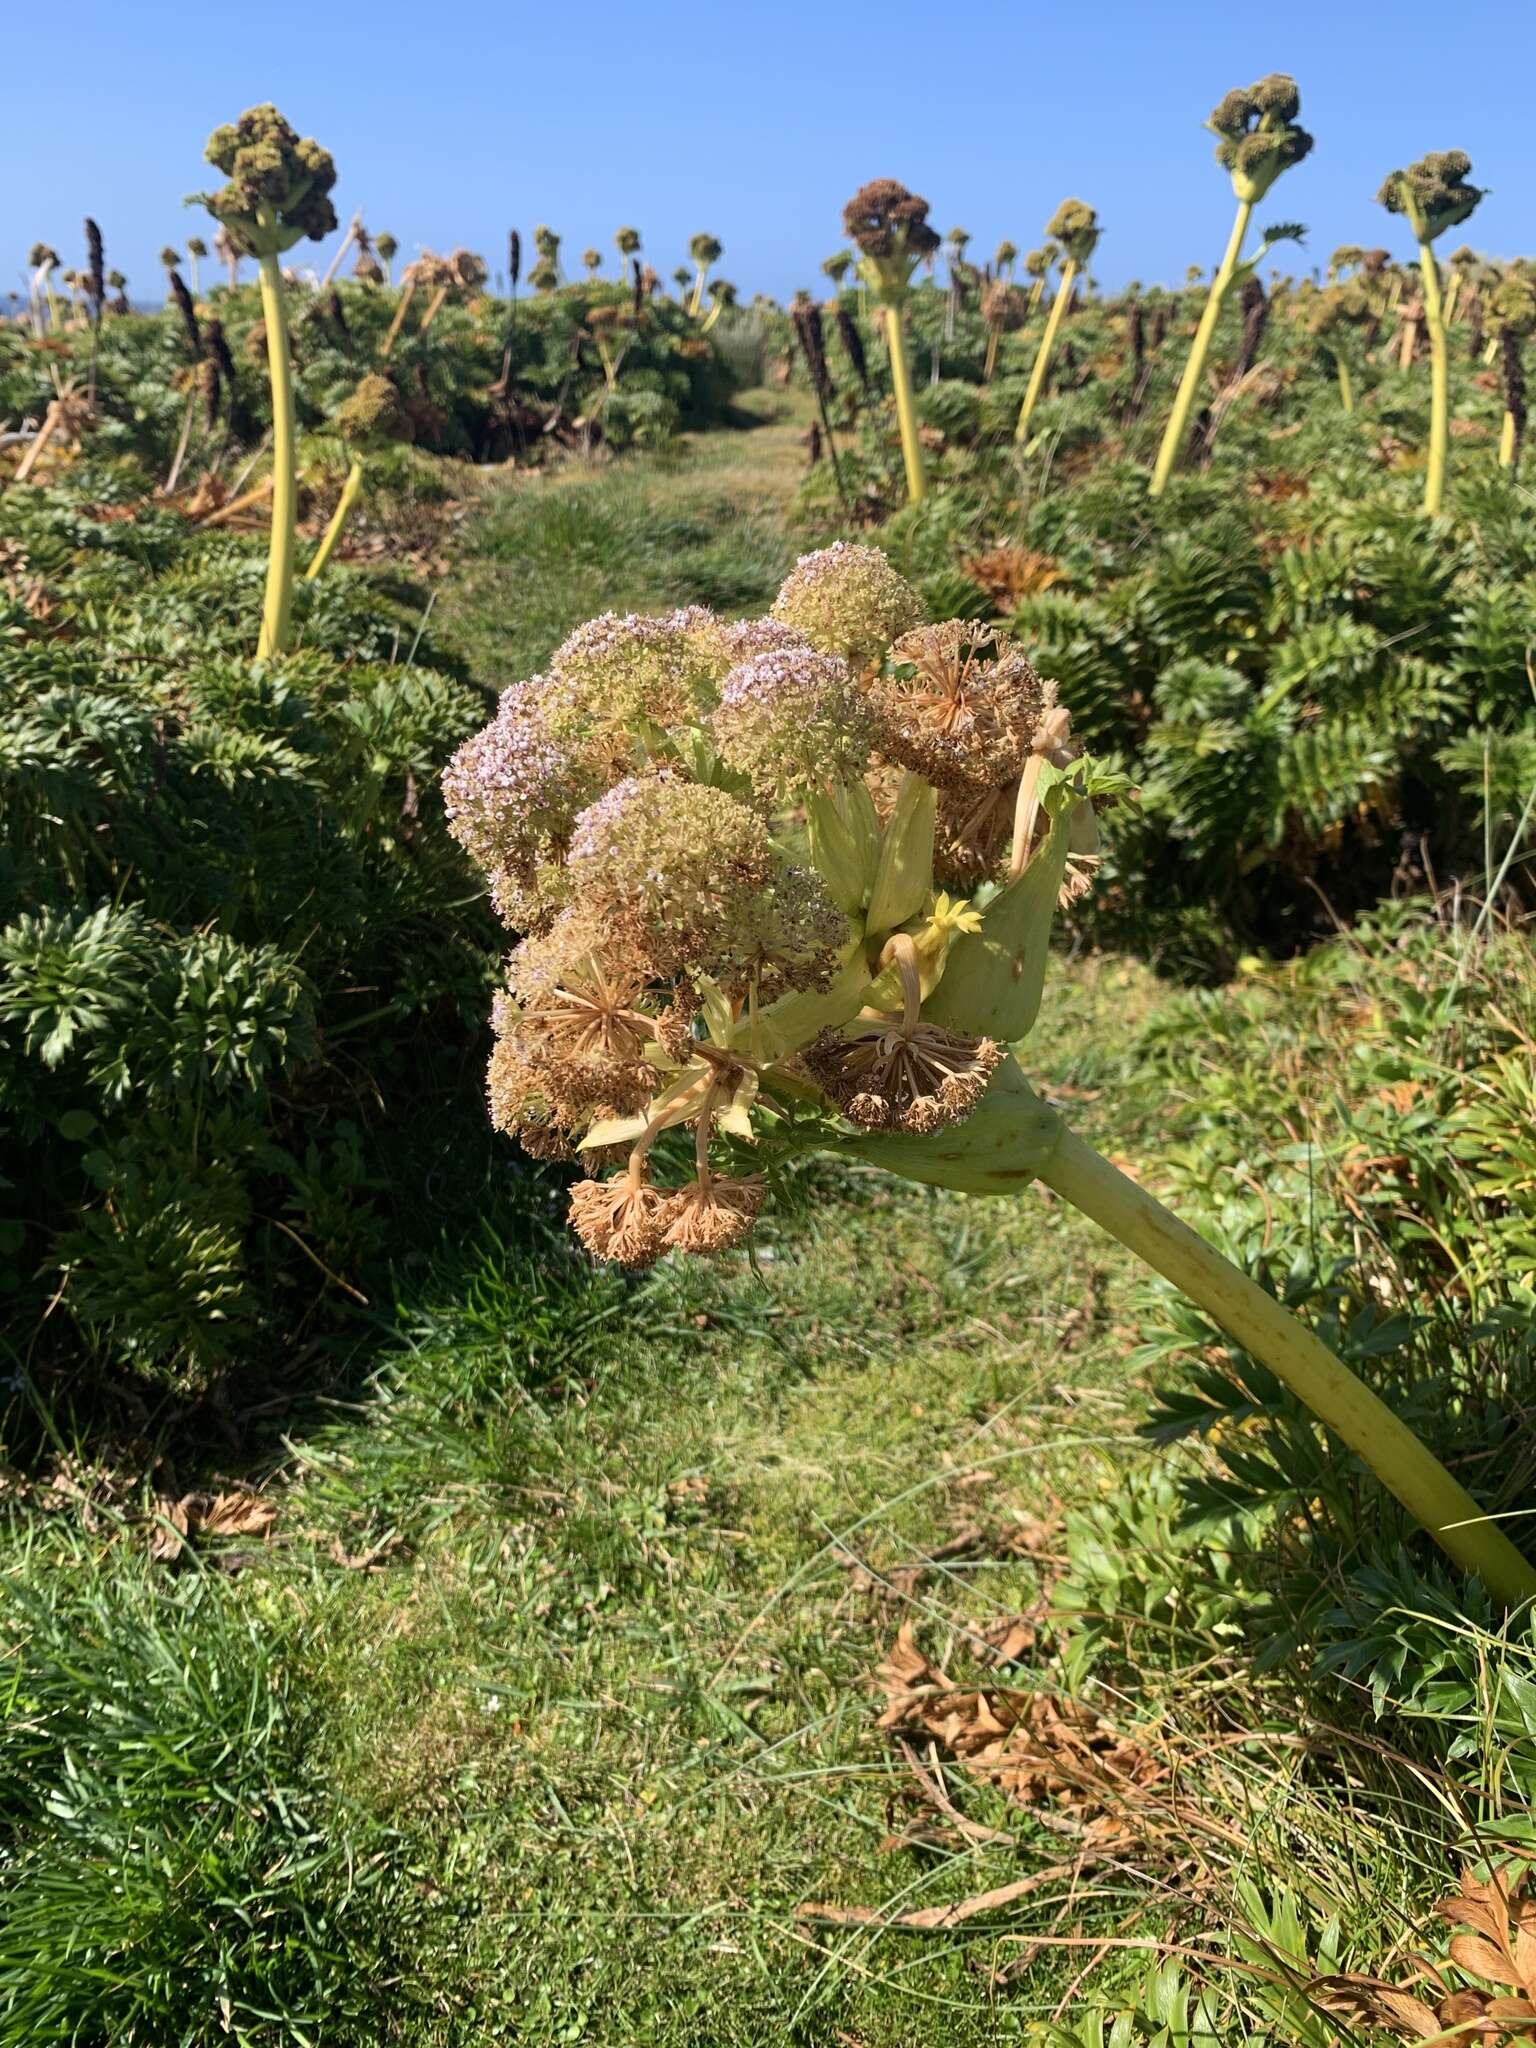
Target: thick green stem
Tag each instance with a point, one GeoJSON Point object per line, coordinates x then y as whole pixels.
{"type": "Point", "coordinates": [344, 504]}
{"type": "Point", "coordinates": [278, 603]}
{"type": "Point", "coordinates": [696, 299]}
{"type": "Point", "coordinates": [906, 409]}
{"type": "Point", "coordinates": [1047, 345]}
{"type": "Point", "coordinates": [1346, 385]}
{"type": "Point", "coordinates": [1507, 441]}
{"type": "Point", "coordinates": [1439, 380]}
{"type": "Point", "coordinates": [1274, 1337]}
{"type": "Point", "coordinates": [1189, 383]}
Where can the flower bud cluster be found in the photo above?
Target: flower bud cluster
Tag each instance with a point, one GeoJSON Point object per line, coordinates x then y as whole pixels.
{"type": "Point", "coordinates": [278, 183]}
{"type": "Point", "coordinates": [1432, 194]}
{"type": "Point", "coordinates": [1260, 136]}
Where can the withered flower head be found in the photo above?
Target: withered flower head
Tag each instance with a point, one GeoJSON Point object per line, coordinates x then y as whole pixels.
{"type": "Point", "coordinates": [624, 1219]}
{"type": "Point", "coordinates": [713, 1213]}
{"type": "Point", "coordinates": [959, 703]}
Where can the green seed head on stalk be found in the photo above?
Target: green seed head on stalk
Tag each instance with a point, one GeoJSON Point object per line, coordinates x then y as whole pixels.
{"type": "Point", "coordinates": [387, 246]}
{"type": "Point", "coordinates": [889, 226]}
{"type": "Point", "coordinates": [1005, 257]}
{"type": "Point", "coordinates": [704, 249]}
{"type": "Point", "coordinates": [593, 259]}
{"type": "Point", "coordinates": [1259, 136]}
{"type": "Point", "coordinates": [197, 247]}
{"type": "Point", "coordinates": [1074, 227]}
{"type": "Point", "coordinates": [1038, 262]}
{"type": "Point", "coordinates": [1433, 194]}
{"type": "Point", "coordinates": [627, 241]}
{"type": "Point", "coordinates": [784, 884]}
{"type": "Point", "coordinates": [170, 257]}
{"type": "Point", "coordinates": [279, 184]}
{"type": "Point", "coordinates": [544, 276]}
{"type": "Point", "coordinates": [837, 268]}
{"type": "Point", "coordinates": [1513, 304]}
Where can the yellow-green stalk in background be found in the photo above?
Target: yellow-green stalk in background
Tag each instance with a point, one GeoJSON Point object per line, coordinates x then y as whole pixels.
{"type": "Point", "coordinates": [277, 192]}
{"type": "Point", "coordinates": [1433, 195]}
{"type": "Point", "coordinates": [889, 226]}
{"type": "Point", "coordinates": [1259, 139]}
{"type": "Point", "coordinates": [338, 520]}
{"type": "Point", "coordinates": [1074, 230]}
{"type": "Point", "coordinates": [1514, 315]}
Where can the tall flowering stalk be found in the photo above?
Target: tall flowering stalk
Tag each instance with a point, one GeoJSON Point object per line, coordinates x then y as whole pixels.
{"type": "Point", "coordinates": [277, 192]}
{"type": "Point", "coordinates": [704, 250]}
{"type": "Point", "coordinates": [1074, 229]}
{"type": "Point", "coordinates": [1514, 317]}
{"type": "Point", "coordinates": [1259, 139]}
{"type": "Point", "coordinates": [1433, 195]}
{"type": "Point", "coordinates": [889, 226]}
{"type": "Point", "coordinates": [787, 886]}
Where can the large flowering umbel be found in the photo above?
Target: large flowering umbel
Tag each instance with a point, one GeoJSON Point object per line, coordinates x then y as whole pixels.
{"type": "Point", "coordinates": [717, 842]}
{"type": "Point", "coordinates": [1259, 135]}
{"type": "Point", "coordinates": [1074, 227]}
{"type": "Point", "coordinates": [890, 226]}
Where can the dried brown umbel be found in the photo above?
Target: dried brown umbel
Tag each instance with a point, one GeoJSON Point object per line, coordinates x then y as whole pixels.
{"type": "Point", "coordinates": [895, 1072]}
{"type": "Point", "coordinates": [959, 703]}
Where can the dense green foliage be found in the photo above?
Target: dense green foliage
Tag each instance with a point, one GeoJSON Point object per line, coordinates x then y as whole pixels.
{"type": "Point", "coordinates": [233, 936]}
{"type": "Point", "coordinates": [1321, 695]}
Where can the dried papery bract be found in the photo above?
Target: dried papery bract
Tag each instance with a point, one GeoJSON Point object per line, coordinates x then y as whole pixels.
{"type": "Point", "coordinates": [1432, 195]}
{"type": "Point", "coordinates": [719, 842]}
{"type": "Point", "coordinates": [1074, 230]}
{"type": "Point", "coordinates": [1258, 139]}
{"type": "Point", "coordinates": [277, 192]}
{"type": "Point", "coordinates": [889, 226]}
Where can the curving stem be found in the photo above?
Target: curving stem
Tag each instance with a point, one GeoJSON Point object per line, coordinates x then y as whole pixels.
{"type": "Point", "coordinates": [1272, 1335]}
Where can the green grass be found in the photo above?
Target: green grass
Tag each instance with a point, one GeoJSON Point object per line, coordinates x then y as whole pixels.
{"type": "Point", "coordinates": [702, 526]}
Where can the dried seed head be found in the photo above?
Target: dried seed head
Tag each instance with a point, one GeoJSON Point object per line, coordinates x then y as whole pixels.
{"type": "Point", "coordinates": [713, 1213]}
{"type": "Point", "coordinates": [958, 703]}
{"type": "Point", "coordinates": [623, 1220]}
{"type": "Point", "coordinates": [848, 600]}
{"type": "Point", "coordinates": [890, 224]}
{"type": "Point", "coordinates": [891, 1076]}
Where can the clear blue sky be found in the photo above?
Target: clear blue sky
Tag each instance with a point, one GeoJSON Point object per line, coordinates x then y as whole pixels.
{"type": "Point", "coordinates": [451, 124]}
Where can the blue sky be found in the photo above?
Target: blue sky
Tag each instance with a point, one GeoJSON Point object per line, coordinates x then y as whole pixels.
{"type": "Point", "coordinates": [451, 124]}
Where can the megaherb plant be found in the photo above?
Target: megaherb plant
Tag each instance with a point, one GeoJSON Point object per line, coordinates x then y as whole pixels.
{"type": "Point", "coordinates": [890, 227]}
{"type": "Point", "coordinates": [1433, 195]}
{"type": "Point", "coordinates": [787, 886]}
{"type": "Point", "coordinates": [1259, 139]}
{"type": "Point", "coordinates": [1074, 229]}
{"type": "Point", "coordinates": [277, 192]}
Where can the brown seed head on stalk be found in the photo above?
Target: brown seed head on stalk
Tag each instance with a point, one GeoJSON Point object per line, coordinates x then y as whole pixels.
{"type": "Point", "coordinates": [188, 312]}
{"type": "Point", "coordinates": [958, 703]}
{"type": "Point", "coordinates": [853, 345]}
{"type": "Point", "coordinates": [889, 224]}
{"type": "Point", "coordinates": [514, 257]}
{"type": "Point", "coordinates": [95, 278]}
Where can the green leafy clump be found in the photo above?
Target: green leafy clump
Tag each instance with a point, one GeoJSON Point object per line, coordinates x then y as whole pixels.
{"type": "Point", "coordinates": [224, 901]}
